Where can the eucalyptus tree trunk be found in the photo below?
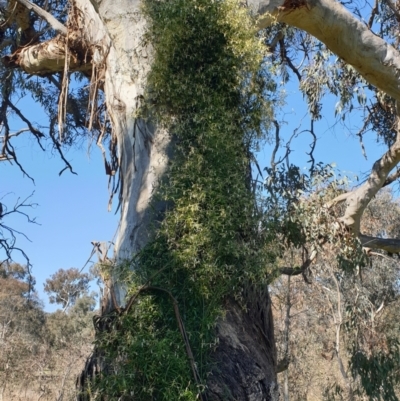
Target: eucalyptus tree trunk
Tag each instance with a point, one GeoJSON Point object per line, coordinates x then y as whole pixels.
{"type": "Point", "coordinates": [122, 57]}
{"type": "Point", "coordinates": [107, 39]}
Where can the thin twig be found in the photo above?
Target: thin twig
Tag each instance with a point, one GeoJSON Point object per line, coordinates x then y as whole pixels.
{"type": "Point", "coordinates": [60, 152]}
{"type": "Point", "coordinates": [373, 13]}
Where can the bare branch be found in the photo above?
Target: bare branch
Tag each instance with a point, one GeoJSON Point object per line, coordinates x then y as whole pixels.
{"type": "Point", "coordinates": [373, 14]}
{"type": "Point", "coordinates": [287, 60]}
{"type": "Point", "coordinates": [295, 271]}
{"type": "Point", "coordinates": [11, 151]}
{"type": "Point", "coordinates": [392, 178]}
{"type": "Point", "coordinates": [390, 245]}
{"type": "Point", "coordinates": [8, 235]}
{"type": "Point", "coordinates": [381, 255]}
{"type": "Point", "coordinates": [360, 134]}
{"type": "Point", "coordinates": [17, 133]}
{"type": "Point", "coordinates": [276, 147]}
{"type": "Point", "coordinates": [312, 147]}
{"type": "Point", "coordinates": [275, 40]}
{"type": "Point", "coordinates": [60, 152]}
{"type": "Point", "coordinates": [37, 134]}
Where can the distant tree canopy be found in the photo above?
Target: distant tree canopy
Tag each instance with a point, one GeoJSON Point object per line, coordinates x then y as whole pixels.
{"type": "Point", "coordinates": [338, 338]}
{"type": "Point", "coordinates": [40, 353]}
{"type": "Point", "coordinates": [66, 286]}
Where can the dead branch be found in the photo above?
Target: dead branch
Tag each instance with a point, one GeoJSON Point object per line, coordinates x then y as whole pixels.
{"type": "Point", "coordinates": [390, 245]}
{"type": "Point", "coordinates": [295, 271]}
{"type": "Point", "coordinates": [392, 178]}
{"type": "Point", "coordinates": [8, 235]}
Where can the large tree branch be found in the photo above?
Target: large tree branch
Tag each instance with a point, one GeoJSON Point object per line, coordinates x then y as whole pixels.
{"type": "Point", "coordinates": [328, 21]}
{"type": "Point", "coordinates": [46, 58]}
{"type": "Point", "coordinates": [390, 245]}
{"type": "Point", "coordinates": [53, 22]}
{"type": "Point", "coordinates": [84, 41]}
{"type": "Point", "coordinates": [371, 56]}
{"type": "Point", "coordinates": [342, 33]}
{"type": "Point", "coordinates": [359, 198]}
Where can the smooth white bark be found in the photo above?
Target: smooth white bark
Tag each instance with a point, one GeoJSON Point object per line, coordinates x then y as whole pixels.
{"type": "Point", "coordinates": [359, 199]}
{"type": "Point", "coordinates": [342, 33]}
{"type": "Point", "coordinates": [125, 57]}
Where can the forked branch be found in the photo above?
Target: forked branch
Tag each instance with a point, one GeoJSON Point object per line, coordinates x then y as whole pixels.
{"type": "Point", "coordinates": [8, 235]}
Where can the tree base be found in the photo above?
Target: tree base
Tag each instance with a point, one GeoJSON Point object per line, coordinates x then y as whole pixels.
{"type": "Point", "coordinates": [245, 356]}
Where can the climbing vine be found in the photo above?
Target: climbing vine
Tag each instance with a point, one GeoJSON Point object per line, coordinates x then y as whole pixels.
{"type": "Point", "coordinates": [208, 87]}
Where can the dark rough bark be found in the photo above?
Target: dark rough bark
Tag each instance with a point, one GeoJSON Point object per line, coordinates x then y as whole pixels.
{"type": "Point", "coordinates": [245, 356]}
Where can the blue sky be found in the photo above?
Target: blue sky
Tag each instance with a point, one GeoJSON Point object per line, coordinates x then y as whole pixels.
{"type": "Point", "coordinates": [72, 209]}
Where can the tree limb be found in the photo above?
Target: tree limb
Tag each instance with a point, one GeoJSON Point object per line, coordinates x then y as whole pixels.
{"type": "Point", "coordinates": [392, 178]}
{"type": "Point", "coordinates": [295, 271]}
{"type": "Point", "coordinates": [358, 199]}
{"type": "Point", "coordinates": [46, 58]}
{"type": "Point", "coordinates": [53, 22]}
{"type": "Point", "coordinates": [390, 245]}
{"type": "Point", "coordinates": [342, 33]}
{"type": "Point", "coordinates": [339, 199]}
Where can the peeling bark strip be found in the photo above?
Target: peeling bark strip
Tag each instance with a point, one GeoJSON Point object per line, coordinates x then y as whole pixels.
{"type": "Point", "coordinates": [47, 58]}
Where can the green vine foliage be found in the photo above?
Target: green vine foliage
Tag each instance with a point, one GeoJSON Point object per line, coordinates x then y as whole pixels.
{"type": "Point", "coordinates": [208, 87]}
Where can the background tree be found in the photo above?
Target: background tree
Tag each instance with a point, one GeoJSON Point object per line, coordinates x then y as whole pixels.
{"type": "Point", "coordinates": [66, 286]}
{"type": "Point", "coordinates": [41, 353]}
{"type": "Point", "coordinates": [331, 325]}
